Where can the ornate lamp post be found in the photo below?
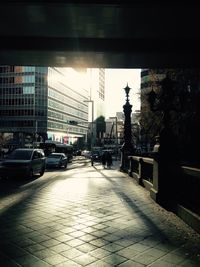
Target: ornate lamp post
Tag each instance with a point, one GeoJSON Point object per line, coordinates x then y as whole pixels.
{"type": "Point", "coordinates": [127, 147]}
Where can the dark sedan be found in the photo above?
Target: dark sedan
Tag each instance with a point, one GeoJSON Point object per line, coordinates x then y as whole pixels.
{"type": "Point", "coordinates": [95, 156]}
{"type": "Point", "coordinates": [56, 160]}
{"type": "Point", "coordinates": [24, 162]}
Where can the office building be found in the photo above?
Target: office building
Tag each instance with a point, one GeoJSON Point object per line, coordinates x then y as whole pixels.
{"type": "Point", "coordinates": [96, 79]}
{"type": "Point", "coordinates": [43, 103]}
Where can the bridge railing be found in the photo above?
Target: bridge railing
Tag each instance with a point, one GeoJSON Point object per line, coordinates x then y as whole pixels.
{"type": "Point", "coordinates": [141, 168]}
{"type": "Point", "coordinates": [148, 173]}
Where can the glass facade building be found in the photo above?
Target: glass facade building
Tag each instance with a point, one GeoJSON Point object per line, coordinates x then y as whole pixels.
{"type": "Point", "coordinates": [97, 90]}
{"type": "Point", "coordinates": [39, 103]}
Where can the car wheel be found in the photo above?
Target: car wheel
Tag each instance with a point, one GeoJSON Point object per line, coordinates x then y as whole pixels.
{"type": "Point", "coordinates": [30, 176]}
{"type": "Point", "coordinates": [42, 171]}
{"type": "Point", "coordinates": [65, 166]}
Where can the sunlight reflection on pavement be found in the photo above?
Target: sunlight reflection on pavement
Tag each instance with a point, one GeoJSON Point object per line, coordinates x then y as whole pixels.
{"type": "Point", "coordinates": [88, 216]}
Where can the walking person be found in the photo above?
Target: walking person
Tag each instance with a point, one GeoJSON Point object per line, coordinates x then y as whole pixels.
{"type": "Point", "coordinates": [103, 160]}
{"type": "Point", "coordinates": [108, 160]}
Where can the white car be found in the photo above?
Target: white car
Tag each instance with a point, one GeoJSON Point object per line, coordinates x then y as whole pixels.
{"type": "Point", "coordinates": [86, 153]}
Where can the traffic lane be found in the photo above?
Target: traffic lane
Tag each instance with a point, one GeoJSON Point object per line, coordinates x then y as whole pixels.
{"type": "Point", "coordinates": [16, 182]}
{"type": "Point", "coordinates": [14, 190]}
{"type": "Point", "coordinates": [12, 185]}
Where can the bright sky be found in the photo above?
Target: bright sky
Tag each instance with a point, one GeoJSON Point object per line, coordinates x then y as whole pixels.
{"type": "Point", "coordinates": [115, 98]}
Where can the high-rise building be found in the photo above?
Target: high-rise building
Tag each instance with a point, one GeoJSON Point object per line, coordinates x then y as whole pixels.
{"type": "Point", "coordinates": [96, 78]}
{"type": "Point", "coordinates": [40, 103]}
{"type": "Point", "coordinates": [96, 103]}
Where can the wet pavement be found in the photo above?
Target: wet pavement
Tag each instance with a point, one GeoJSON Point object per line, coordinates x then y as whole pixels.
{"type": "Point", "coordinates": [90, 216]}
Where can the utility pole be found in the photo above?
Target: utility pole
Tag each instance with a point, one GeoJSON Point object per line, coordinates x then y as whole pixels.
{"type": "Point", "coordinates": [116, 136]}
{"type": "Point", "coordinates": [92, 139]}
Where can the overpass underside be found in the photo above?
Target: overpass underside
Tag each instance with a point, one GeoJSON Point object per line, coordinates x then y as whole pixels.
{"type": "Point", "coordinates": [108, 34]}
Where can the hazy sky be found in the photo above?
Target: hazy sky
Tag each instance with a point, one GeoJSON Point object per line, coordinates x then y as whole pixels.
{"type": "Point", "coordinates": [115, 98]}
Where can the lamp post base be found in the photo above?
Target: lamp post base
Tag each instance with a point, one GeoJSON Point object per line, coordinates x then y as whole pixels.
{"type": "Point", "coordinates": [125, 162]}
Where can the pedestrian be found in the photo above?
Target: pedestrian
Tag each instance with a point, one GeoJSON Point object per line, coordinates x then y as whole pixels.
{"type": "Point", "coordinates": [103, 159]}
{"type": "Point", "coordinates": [108, 159]}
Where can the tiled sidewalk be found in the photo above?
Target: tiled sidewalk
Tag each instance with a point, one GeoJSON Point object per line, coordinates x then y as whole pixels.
{"type": "Point", "coordinates": [93, 217]}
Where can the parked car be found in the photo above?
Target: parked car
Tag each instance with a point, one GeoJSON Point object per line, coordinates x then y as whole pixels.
{"type": "Point", "coordinates": [56, 160]}
{"type": "Point", "coordinates": [96, 156]}
{"type": "Point", "coordinates": [86, 153]}
{"type": "Point", "coordinates": [24, 162]}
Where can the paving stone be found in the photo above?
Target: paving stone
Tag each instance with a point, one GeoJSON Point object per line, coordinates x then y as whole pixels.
{"type": "Point", "coordinates": [125, 242]}
{"type": "Point", "coordinates": [50, 243]}
{"type": "Point", "coordinates": [35, 247]}
{"type": "Point", "coordinates": [44, 253]}
{"type": "Point", "coordinates": [68, 263]}
{"type": "Point", "coordinates": [162, 263]}
{"type": "Point", "coordinates": [111, 237]}
{"type": "Point", "coordinates": [26, 260]}
{"type": "Point", "coordinates": [23, 242]}
{"type": "Point", "coordinates": [63, 238]}
{"type": "Point", "coordinates": [173, 258]}
{"type": "Point", "coordinates": [86, 247]}
{"type": "Point", "coordinates": [112, 247]}
{"type": "Point", "coordinates": [55, 259]}
{"type": "Point", "coordinates": [87, 237]}
{"type": "Point", "coordinates": [130, 263]}
{"type": "Point", "coordinates": [38, 263]}
{"type": "Point", "coordinates": [100, 233]}
{"type": "Point", "coordinates": [138, 247]}
{"type": "Point", "coordinates": [98, 242]}
{"type": "Point", "coordinates": [144, 258]}
{"type": "Point", "coordinates": [89, 230]}
{"type": "Point", "coordinates": [100, 253]}
{"type": "Point", "coordinates": [189, 263]}
{"type": "Point", "coordinates": [72, 253]}
{"type": "Point", "coordinates": [60, 247]}
{"type": "Point", "coordinates": [128, 252]}
{"type": "Point", "coordinates": [100, 263]}
{"type": "Point", "coordinates": [114, 259]}
{"type": "Point", "coordinates": [84, 259]}
{"type": "Point", "coordinates": [108, 220]}
{"type": "Point", "coordinates": [75, 242]}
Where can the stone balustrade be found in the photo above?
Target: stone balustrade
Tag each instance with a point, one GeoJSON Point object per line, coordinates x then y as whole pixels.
{"type": "Point", "coordinates": [185, 186]}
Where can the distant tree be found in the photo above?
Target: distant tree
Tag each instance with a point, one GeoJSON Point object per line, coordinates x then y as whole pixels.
{"type": "Point", "coordinates": [184, 113]}
{"type": "Point", "coordinates": [100, 129]}
{"type": "Point", "coordinates": [150, 126]}
{"type": "Point", "coordinates": [185, 117]}
{"type": "Point", "coordinates": [100, 126]}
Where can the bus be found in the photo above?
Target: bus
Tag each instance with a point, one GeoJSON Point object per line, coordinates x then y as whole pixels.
{"type": "Point", "coordinates": [56, 147]}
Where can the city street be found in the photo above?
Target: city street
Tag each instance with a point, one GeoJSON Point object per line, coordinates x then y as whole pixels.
{"type": "Point", "coordinates": [90, 216]}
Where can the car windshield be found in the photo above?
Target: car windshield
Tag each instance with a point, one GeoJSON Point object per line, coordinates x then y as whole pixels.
{"type": "Point", "coordinates": [54, 156]}
{"type": "Point", "coordinates": [21, 154]}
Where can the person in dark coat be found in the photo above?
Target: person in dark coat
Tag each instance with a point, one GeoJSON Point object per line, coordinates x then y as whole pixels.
{"type": "Point", "coordinates": [108, 159]}
{"type": "Point", "coordinates": [103, 160]}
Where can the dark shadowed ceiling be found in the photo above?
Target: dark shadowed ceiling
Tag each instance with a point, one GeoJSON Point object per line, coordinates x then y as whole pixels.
{"type": "Point", "coordinates": [117, 34]}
